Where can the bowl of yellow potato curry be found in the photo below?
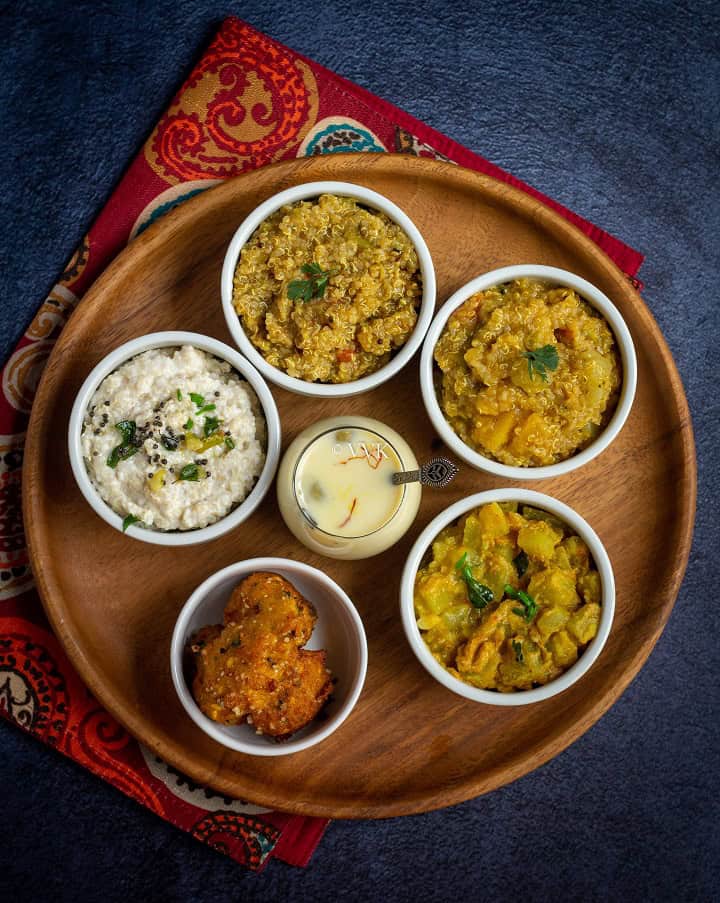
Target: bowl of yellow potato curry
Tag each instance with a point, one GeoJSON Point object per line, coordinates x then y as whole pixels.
{"type": "Point", "coordinates": [528, 372]}
{"type": "Point", "coordinates": [507, 597]}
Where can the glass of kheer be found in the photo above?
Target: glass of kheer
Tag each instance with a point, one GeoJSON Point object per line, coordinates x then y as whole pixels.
{"type": "Point", "coordinates": [336, 491]}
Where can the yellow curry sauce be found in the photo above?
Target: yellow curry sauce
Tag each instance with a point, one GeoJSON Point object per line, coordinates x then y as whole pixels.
{"type": "Point", "coordinates": [508, 644]}
{"type": "Point", "coordinates": [368, 289]}
{"type": "Point", "coordinates": [494, 390]}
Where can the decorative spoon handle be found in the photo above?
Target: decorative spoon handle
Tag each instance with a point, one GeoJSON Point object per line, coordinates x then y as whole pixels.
{"type": "Point", "coordinates": [438, 473]}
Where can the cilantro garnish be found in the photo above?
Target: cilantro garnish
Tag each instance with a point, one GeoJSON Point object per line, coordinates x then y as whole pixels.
{"type": "Point", "coordinates": [541, 360]}
{"type": "Point", "coordinates": [313, 286]}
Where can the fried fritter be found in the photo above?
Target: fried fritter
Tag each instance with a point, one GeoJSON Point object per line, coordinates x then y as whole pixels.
{"type": "Point", "coordinates": [276, 606]}
{"type": "Point", "coordinates": [253, 669]}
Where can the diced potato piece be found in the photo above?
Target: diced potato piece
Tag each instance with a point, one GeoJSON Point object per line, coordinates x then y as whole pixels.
{"type": "Point", "coordinates": [554, 587]}
{"type": "Point", "coordinates": [497, 571]}
{"type": "Point", "coordinates": [513, 675]}
{"type": "Point", "coordinates": [427, 622]}
{"type": "Point", "coordinates": [561, 558]}
{"type": "Point", "coordinates": [583, 623]}
{"type": "Point", "coordinates": [455, 617]}
{"type": "Point", "coordinates": [515, 521]}
{"type": "Point", "coordinates": [440, 546]}
{"type": "Point", "coordinates": [590, 587]}
{"type": "Point", "coordinates": [538, 662]}
{"type": "Point", "coordinates": [506, 549]}
{"type": "Point", "coordinates": [454, 553]}
{"type": "Point", "coordinates": [472, 536]}
{"type": "Point", "coordinates": [475, 359]}
{"type": "Point", "coordinates": [598, 385]}
{"type": "Point", "coordinates": [536, 666]}
{"type": "Point", "coordinates": [492, 520]}
{"type": "Point", "coordinates": [551, 620]}
{"type": "Point", "coordinates": [494, 432]}
{"type": "Point", "coordinates": [578, 552]}
{"type": "Point", "coordinates": [520, 376]}
{"type": "Point", "coordinates": [564, 651]}
{"type": "Point", "coordinates": [500, 623]}
{"type": "Point", "coordinates": [538, 540]}
{"type": "Point", "coordinates": [531, 434]}
{"type": "Point", "coordinates": [437, 591]}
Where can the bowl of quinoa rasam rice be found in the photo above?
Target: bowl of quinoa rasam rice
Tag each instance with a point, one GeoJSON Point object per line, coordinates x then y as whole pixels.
{"type": "Point", "coordinates": [328, 288]}
{"type": "Point", "coordinates": [507, 597]}
{"type": "Point", "coordinates": [528, 372]}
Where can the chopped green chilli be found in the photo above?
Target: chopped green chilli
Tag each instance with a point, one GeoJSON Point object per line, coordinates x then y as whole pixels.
{"type": "Point", "coordinates": [129, 520]}
{"type": "Point", "coordinates": [529, 609]}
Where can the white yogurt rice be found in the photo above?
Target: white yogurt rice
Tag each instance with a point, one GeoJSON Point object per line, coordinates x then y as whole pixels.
{"type": "Point", "coordinates": [175, 438]}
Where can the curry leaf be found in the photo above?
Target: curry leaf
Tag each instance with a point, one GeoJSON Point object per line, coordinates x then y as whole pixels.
{"type": "Point", "coordinates": [478, 594]}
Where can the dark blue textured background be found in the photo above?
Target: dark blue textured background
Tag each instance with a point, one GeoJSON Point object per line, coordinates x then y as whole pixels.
{"type": "Point", "coordinates": [611, 108]}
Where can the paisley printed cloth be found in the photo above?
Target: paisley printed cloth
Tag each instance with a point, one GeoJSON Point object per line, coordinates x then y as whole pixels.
{"type": "Point", "coordinates": [248, 102]}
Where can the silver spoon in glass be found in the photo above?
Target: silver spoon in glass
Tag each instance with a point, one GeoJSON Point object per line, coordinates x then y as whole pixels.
{"type": "Point", "coordinates": [438, 473]}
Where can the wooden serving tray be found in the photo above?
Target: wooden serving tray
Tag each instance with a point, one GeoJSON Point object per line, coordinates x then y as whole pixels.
{"type": "Point", "coordinates": [410, 745]}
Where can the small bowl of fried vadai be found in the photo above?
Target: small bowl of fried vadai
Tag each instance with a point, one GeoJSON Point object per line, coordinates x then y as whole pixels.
{"type": "Point", "coordinates": [268, 656]}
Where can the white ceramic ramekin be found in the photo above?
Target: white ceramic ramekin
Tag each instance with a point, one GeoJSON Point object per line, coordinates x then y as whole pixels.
{"type": "Point", "coordinates": [364, 196]}
{"type": "Point", "coordinates": [167, 340]}
{"type": "Point", "coordinates": [338, 630]}
{"type": "Point", "coordinates": [596, 299]}
{"type": "Point", "coordinates": [451, 514]}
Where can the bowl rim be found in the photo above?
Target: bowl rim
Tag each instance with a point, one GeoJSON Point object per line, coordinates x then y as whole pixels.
{"type": "Point", "coordinates": [283, 566]}
{"type": "Point", "coordinates": [167, 339]}
{"type": "Point", "coordinates": [596, 299]}
{"type": "Point", "coordinates": [600, 557]}
{"type": "Point", "coordinates": [302, 192]}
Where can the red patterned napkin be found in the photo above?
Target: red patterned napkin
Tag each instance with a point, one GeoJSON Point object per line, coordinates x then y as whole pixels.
{"type": "Point", "coordinates": [248, 102]}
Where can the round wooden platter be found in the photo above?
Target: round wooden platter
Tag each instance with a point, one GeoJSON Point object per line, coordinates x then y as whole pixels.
{"type": "Point", "coordinates": [410, 745]}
